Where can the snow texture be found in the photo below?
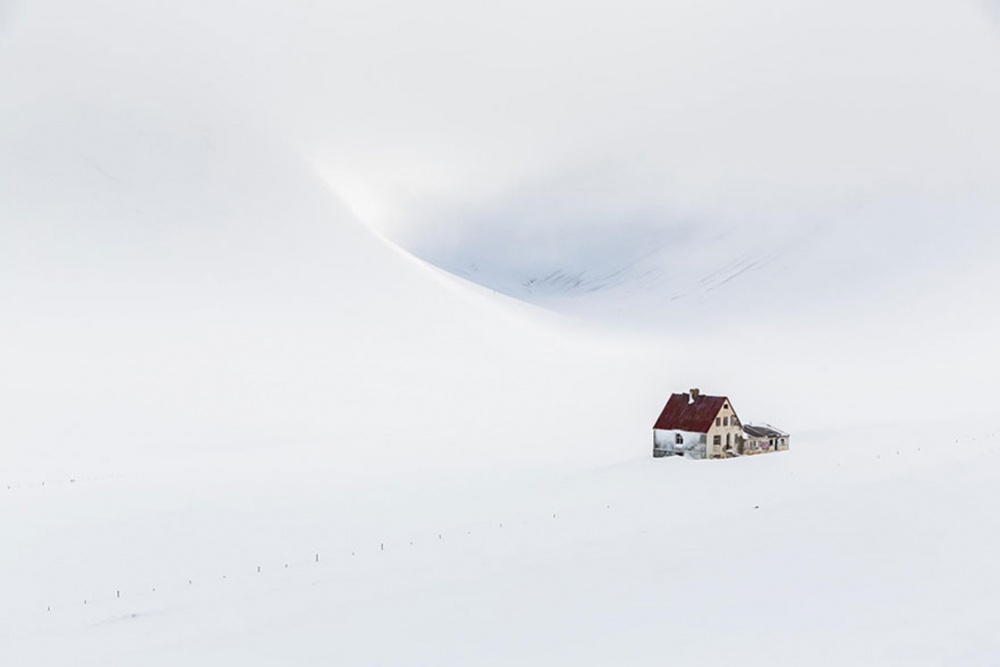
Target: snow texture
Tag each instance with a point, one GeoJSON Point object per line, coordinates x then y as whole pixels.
{"type": "Point", "coordinates": [242, 423]}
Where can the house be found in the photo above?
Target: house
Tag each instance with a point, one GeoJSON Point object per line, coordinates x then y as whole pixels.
{"type": "Point", "coordinates": [763, 439]}
{"type": "Point", "coordinates": [707, 427]}
{"type": "Point", "coordinates": [698, 427]}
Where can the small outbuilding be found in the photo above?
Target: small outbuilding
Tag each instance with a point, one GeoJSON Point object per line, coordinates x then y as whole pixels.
{"type": "Point", "coordinates": [759, 439]}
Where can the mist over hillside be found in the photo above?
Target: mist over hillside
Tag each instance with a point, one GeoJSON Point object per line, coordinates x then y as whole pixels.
{"type": "Point", "coordinates": [806, 160]}
{"type": "Point", "coordinates": [670, 151]}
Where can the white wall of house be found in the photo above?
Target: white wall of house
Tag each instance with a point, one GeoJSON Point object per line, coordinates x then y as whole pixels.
{"type": "Point", "coordinates": [691, 444]}
{"type": "Point", "coordinates": [726, 430]}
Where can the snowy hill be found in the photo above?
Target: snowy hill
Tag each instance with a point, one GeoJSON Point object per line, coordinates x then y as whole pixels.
{"type": "Point", "coordinates": [677, 277]}
{"type": "Point", "coordinates": [241, 422]}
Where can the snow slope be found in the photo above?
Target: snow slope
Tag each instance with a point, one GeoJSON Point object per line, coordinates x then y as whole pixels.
{"type": "Point", "coordinates": [846, 550]}
{"type": "Point", "coordinates": [240, 426]}
{"type": "Point", "coordinates": [678, 275]}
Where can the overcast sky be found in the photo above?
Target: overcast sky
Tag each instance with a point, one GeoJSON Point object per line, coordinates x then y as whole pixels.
{"type": "Point", "coordinates": [454, 125]}
{"type": "Point", "coordinates": [685, 107]}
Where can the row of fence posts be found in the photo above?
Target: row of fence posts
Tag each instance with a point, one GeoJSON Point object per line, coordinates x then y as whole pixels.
{"type": "Point", "coordinates": [316, 560]}
{"type": "Point", "coordinates": [440, 536]}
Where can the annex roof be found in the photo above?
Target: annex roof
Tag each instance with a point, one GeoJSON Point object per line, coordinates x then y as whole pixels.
{"type": "Point", "coordinates": [765, 431]}
{"type": "Point", "coordinates": [681, 413]}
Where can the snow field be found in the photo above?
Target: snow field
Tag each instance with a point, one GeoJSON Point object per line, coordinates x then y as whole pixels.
{"type": "Point", "coordinates": [853, 546]}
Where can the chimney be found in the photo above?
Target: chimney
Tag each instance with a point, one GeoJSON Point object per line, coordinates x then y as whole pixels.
{"type": "Point", "coordinates": [695, 393]}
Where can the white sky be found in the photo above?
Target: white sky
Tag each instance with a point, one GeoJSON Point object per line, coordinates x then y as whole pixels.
{"type": "Point", "coordinates": [432, 104]}
{"type": "Point", "coordinates": [553, 132]}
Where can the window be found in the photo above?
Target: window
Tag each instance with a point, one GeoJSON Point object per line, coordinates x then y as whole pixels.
{"type": "Point", "coordinates": [729, 439]}
{"type": "Point", "coordinates": [718, 421]}
{"type": "Point", "coordinates": [725, 421]}
{"type": "Point", "coordinates": [679, 439]}
{"type": "Point", "coordinates": [717, 440]}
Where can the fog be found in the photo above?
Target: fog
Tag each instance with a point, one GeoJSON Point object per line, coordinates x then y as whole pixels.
{"type": "Point", "coordinates": [545, 149]}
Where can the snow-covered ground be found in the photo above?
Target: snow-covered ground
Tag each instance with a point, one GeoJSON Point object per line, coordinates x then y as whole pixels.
{"type": "Point", "coordinates": [241, 423]}
{"type": "Point", "coordinates": [866, 547]}
{"type": "Point", "coordinates": [474, 476]}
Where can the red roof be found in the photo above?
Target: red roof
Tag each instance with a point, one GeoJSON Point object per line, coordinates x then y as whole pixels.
{"type": "Point", "coordinates": [682, 414]}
